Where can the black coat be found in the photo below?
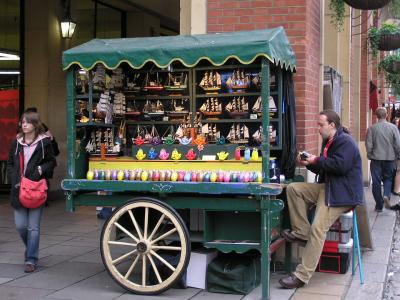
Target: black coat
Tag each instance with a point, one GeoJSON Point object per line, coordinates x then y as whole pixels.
{"type": "Point", "coordinates": [43, 157]}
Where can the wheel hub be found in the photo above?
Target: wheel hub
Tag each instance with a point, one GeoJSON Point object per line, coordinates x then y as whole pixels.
{"type": "Point", "coordinates": [141, 247]}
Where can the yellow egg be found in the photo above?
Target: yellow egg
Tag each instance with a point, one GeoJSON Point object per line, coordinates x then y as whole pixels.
{"type": "Point", "coordinates": [120, 175]}
{"type": "Point", "coordinates": [174, 176]}
{"type": "Point", "coordinates": [144, 176]}
{"type": "Point", "coordinates": [90, 175]}
{"type": "Point", "coordinates": [259, 177]}
{"type": "Point", "coordinates": [213, 177]}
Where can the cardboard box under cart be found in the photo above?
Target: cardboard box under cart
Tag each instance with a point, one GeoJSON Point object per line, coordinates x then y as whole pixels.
{"type": "Point", "coordinates": [197, 268]}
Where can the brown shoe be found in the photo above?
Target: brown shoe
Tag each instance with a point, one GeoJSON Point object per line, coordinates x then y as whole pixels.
{"type": "Point", "coordinates": [291, 282]}
{"type": "Point", "coordinates": [29, 268]}
{"type": "Point", "coordinates": [291, 238]}
{"type": "Point", "coordinates": [386, 202]}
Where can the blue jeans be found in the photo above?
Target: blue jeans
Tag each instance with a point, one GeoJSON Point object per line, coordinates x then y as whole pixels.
{"type": "Point", "coordinates": [27, 222]}
{"type": "Point", "coordinates": [382, 171]}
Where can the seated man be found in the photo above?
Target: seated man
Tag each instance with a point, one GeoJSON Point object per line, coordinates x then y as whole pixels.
{"type": "Point", "coordinates": [338, 189]}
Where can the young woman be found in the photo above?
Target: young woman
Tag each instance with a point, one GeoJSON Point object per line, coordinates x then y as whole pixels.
{"type": "Point", "coordinates": [39, 162]}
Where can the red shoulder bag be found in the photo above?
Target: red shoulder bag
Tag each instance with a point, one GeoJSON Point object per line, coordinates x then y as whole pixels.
{"type": "Point", "coordinates": [32, 194]}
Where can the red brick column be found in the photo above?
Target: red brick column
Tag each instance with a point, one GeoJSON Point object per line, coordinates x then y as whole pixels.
{"type": "Point", "coordinates": [301, 20]}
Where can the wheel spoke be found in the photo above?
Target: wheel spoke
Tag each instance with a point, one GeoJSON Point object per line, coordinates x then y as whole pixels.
{"type": "Point", "coordinates": [146, 222]}
{"type": "Point", "coordinates": [135, 224]}
{"type": "Point", "coordinates": [164, 235]}
{"type": "Point", "coordinates": [157, 226]}
{"type": "Point", "coordinates": [131, 267]}
{"type": "Point", "coordinates": [154, 268]}
{"type": "Point", "coordinates": [127, 232]}
{"type": "Point", "coordinates": [144, 267]}
{"type": "Point", "coordinates": [122, 257]}
{"type": "Point", "coordinates": [166, 248]}
{"type": "Point", "coordinates": [163, 260]}
{"type": "Point", "coordinates": [121, 243]}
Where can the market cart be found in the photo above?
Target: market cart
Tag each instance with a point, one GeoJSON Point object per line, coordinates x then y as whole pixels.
{"type": "Point", "coordinates": [159, 126]}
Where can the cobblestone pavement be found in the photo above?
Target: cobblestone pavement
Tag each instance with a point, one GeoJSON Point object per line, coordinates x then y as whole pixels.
{"type": "Point", "coordinates": [392, 283]}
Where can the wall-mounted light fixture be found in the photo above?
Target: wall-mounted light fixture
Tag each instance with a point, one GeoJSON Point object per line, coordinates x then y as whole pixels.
{"type": "Point", "coordinates": [67, 25]}
{"type": "Point", "coordinates": [67, 28]}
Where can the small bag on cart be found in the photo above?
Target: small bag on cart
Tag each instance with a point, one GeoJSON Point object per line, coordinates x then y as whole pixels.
{"type": "Point", "coordinates": [234, 273]}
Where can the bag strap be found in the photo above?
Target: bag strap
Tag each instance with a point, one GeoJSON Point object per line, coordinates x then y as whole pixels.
{"type": "Point", "coordinates": [21, 164]}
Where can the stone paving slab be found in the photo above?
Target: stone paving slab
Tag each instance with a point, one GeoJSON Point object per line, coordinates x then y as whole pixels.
{"type": "Point", "coordinates": [22, 293]}
{"type": "Point", "coordinates": [366, 291]}
{"type": "Point", "coordinates": [59, 276]}
{"type": "Point", "coordinates": [177, 294]}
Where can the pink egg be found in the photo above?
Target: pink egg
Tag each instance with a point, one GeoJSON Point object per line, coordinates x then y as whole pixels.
{"type": "Point", "coordinates": [194, 176]}
{"type": "Point", "coordinates": [156, 176]}
{"type": "Point", "coordinates": [181, 175]}
{"type": "Point", "coordinates": [220, 177]}
{"type": "Point", "coordinates": [227, 177]}
{"type": "Point", "coordinates": [246, 177]}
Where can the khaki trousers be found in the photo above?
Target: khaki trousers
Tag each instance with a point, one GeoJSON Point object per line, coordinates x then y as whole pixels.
{"type": "Point", "coordinates": [301, 196]}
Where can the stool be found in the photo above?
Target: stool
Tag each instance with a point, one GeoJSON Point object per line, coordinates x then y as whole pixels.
{"type": "Point", "coordinates": [356, 244]}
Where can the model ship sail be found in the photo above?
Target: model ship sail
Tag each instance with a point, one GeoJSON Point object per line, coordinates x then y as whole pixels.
{"type": "Point", "coordinates": [211, 107]}
{"type": "Point", "coordinates": [211, 81]}
{"type": "Point", "coordinates": [238, 80]}
{"type": "Point", "coordinates": [237, 107]}
{"type": "Point", "coordinates": [238, 134]}
{"type": "Point", "coordinates": [211, 132]}
{"type": "Point", "coordinates": [176, 83]}
{"type": "Point", "coordinates": [257, 107]}
{"type": "Point", "coordinates": [152, 85]}
{"type": "Point", "coordinates": [258, 136]}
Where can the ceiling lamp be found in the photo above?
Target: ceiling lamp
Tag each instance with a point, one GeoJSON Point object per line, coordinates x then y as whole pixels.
{"type": "Point", "coordinates": [67, 28]}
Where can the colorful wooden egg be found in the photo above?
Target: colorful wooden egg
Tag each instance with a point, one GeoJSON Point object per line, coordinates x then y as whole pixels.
{"type": "Point", "coordinates": [162, 175]}
{"type": "Point", "coordinates": [174, 176]}
{"type": "Point", "coordinates": [193, 177]}
{"type": "Point", "coordinates": [241, 177]}
{"type": "Point", "coordinates": [114, 174]}
{"type": "Point", "coordinates": [107, 175]}
{"type": "Point", "coordinates": [90, 175]}
{"type": "Point", "coordinates": [234, 177]}
{"type": "Point", "coordinates": [259, 177]}
{"type": "Point", "coordinates": [102, 175]}
{"type": "Point", "coordinates": [206, 177]}
{"type": "Point", "coordinates": [132, 174]}
{"type": "Point", "coordinates": [246, 177]}
{"type": "Point", "coordinates": [156, 176]}
{"type": "Point", "coordinates": [220, 176]}
{"type": "Point", "coordinates": [168, 174]}
{"type": "Point", "coordinates": [213, 177]}
{"type": "Point", "coordinates": [227, 177]}
{"type": "Point", "coordinates": [200, 176]}
{"type": "Point", "coordinates": [120, 175]}
{"type": "Point", "coordinates": [144, 176]}
{"type": "Point", "coordinates": [181, 175]}
{"type": "Point", "coordinates": [96, 175]}
{"type": "Point", "coordinates": [126, 174]}
{"type": "Point", "coordinates": [187, 177]}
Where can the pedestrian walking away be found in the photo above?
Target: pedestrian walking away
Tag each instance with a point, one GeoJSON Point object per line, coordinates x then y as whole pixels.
{"type": "Point", "coordinates": [38, 162]}
{"type": "Point", "coordinates": [383, 148]}
{"type": "Point", "coordinates": [338, 189]}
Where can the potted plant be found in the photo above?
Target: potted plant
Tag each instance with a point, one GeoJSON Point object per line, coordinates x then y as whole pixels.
{"type": "Point", "coordinates": [367, 4]}
{"type": "Point", "coordinates": [385, 38]}
{"type": "Point", "coordinates": [338, 9]}
{"type": "Point", "coordinates": [390, 64]}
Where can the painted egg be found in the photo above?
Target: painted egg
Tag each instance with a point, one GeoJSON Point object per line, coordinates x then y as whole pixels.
{"type": "Point", "coordinates": [251, 176]}
{"type": "Point", "coordinates": [174, 176]}
{"type": "Point", "coordinates": [193, 177]}
{"type": "Point", "coordinates": [162, 175]}
{"type": "Point", "coordinates": [168, 175]}
{"type": "Point", "coordinates": [107, 175]}
{"type": "Point", "coordinates": [90, 175]}
{"type": "Point", "coordinates": [181, 175]}
{"type": "Point", "coordinates": [114, 174]}
{"type": "Point", "coordinates": [241, 177]}
{"type": "Point", "coordinates": [144, 176]}
{"type": "Point", "coordinates": [227, 177]}
{"type": "Point", "coordinates": [156, 176]}
{"type": "Point", "coordinates": [213, 177]}
{"type": "Point", "coordinates": [200, 176]}
{"type": "Point", "coordinates": [121, 175]}
{"type": "Point", "coordinates": [206, 177]}
{"type": "Point", "coordinates": [126, 175]}
{"type": "Point", "coordinates": [138, 173]}
{"type": "Point", "coordinates": [246, 177]}
{"type": "Point", "coordinates": [220, 177]}
{"type": "Point", "coordinates": [234, 177]}
{"type": "Point", "coordinates": [150, 174]}
{"type": "Point", "coordinates": [187, 177]}
{"type": "Point", "coordinates": [132, 175]}
{"type": "Point", "coordinates": [96, 174]}
{"type": "Point", "coordinates": [259, 177]}
{"type": "Point", "coordinates": [102, 175]}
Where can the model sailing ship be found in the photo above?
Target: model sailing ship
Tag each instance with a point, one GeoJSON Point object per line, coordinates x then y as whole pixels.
{"type": "Point", "coordinates": [238, 80]}
{"type": "Point", "coordinates": [237, 108]}
{"type": "Point", "coordinates": [176, 83]}
{"type": "Point", "coordinates": [210, 132]}
{"type": "Point", "coordinates": [153, 108]}
{"type": "Point", "coordinates": [257, 107]}
{"type": "Point", "coordinates": [152, 85]}
{"type": "Point", "coordinates": [258, 136]}
{"type": "Point", "coordinates": [211, 82]}
{"type": "Point", "coordinates": [178, 108]}
{"type": "Point", "coordinates": [238, 134]}
{"type": "Point", "coordinates": [211, 107]}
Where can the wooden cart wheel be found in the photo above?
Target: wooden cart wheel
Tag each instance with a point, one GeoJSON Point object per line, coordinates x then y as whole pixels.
{"type": "Point", "coordinates": [145, 246]}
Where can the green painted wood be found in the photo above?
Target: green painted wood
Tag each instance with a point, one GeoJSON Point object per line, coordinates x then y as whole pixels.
{"type": "Point", "coordinates": [172, 187]}
{"type": "Point", "coordinates": [265, 242]}
{"type": "Point", "coordinates": [265, 121]}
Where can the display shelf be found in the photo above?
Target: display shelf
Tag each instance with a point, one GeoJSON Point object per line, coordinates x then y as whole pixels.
{"type": "Point", "coordinates": [94, 124]}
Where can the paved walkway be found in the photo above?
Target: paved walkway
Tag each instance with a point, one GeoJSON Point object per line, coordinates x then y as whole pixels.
{"type": "Point", "coordinates": [71, 267]}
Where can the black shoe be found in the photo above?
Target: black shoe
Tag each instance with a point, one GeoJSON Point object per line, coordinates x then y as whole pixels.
{"type": "Point", "coordinates": [395, 207]}
{"type": "Point", "coordinates": [378, 209]}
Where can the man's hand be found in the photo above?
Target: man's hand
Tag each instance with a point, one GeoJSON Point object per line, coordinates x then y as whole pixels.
{"type": "Point", "coordinates": [306, 162]}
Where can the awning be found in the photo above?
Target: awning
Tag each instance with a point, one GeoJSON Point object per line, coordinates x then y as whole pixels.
{"type": "Point", "coordinates": [217, 48]}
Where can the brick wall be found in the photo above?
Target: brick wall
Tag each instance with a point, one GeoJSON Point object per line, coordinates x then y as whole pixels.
{"type": "Point", "coordinates": [301, 20]}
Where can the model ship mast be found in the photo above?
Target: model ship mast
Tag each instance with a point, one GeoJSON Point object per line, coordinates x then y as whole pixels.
{"type": "Point", "coordinates": [238, 134]}
{"type": "Point", "coordinates": [211, 82]}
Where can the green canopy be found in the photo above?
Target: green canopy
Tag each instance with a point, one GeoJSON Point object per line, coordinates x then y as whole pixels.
{"type": "Point", "coordinates": [217, 48]}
